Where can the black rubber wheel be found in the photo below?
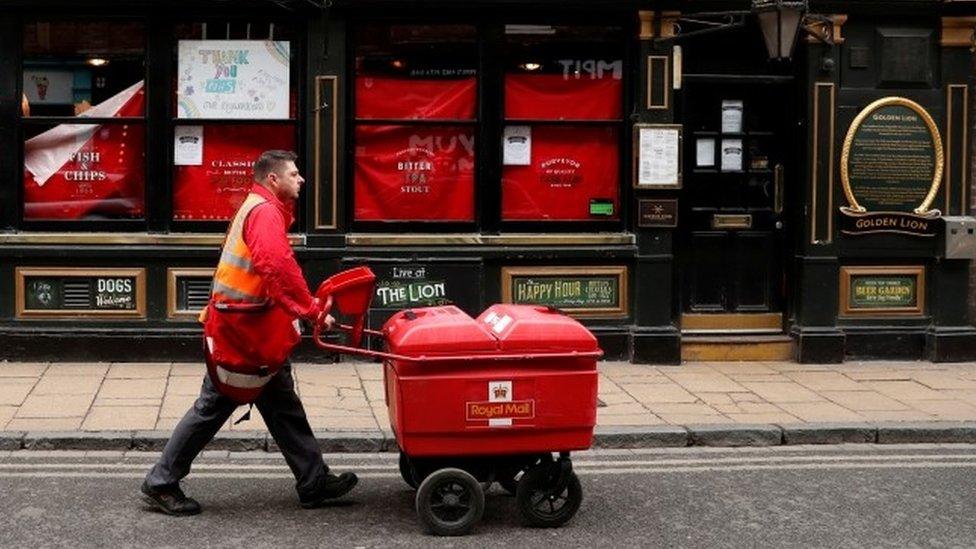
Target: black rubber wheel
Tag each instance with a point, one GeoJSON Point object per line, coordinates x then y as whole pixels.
{"type": "Point", "coordinates": [450, 502]}
{"type": "Point", "coordinates": [541, 509]}
{"type": "Point", "coordinates": [407, 472]}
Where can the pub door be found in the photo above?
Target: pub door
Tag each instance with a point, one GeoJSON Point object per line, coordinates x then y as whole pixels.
{"type": "Point", "coordinates": [739, 165]}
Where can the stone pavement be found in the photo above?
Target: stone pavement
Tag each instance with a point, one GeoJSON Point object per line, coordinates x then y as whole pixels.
{"type": "Point", "coordinates": [105, 405]}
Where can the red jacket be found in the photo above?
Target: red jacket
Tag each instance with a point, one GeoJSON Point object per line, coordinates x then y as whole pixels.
{"type": "Point", "coordinates": [266, 235]}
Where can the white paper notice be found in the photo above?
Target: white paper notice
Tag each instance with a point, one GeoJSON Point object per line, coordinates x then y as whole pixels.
{"type": "Point", "coordinates": [188, 146]}
{"type": "Point", "coordinates": [705, 152]}
{"type": "Point", "coordinates": [731, 116]}
{"type": "Point", "coordinates": [658, 156]}
{"type": "Point", "coordinates": [517, 146]}
{"type": "Point", "coordinates": [233, 79]}
{"type": "Point", "coordinates": [731, 155]}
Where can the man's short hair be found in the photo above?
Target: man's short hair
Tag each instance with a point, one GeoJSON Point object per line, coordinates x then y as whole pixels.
{"type": "Point", "coordinates": [270, 161]}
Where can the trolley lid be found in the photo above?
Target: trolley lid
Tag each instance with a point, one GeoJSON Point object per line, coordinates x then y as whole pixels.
{"type": "Point", "coordinates": [436, 331]}
{"type": "Point", "coordinates": [536, 328]}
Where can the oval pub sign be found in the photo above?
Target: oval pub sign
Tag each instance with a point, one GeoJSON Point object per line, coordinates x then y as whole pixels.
{"type": "Point", "coordinates": [892, 160]}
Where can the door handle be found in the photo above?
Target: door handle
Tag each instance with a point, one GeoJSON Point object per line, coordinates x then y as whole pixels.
{"type": "Point", "coordinates": [778, 189]}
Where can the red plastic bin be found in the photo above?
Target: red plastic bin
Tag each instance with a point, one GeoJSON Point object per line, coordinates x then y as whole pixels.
{"type": "Point", "coordinates": [506, 383]}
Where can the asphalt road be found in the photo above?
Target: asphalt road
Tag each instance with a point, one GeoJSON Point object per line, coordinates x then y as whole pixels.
{"type": "Point", "coordinates": [826, 496]}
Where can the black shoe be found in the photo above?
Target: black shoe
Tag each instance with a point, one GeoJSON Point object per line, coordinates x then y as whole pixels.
{"type": "Point", "coordinates": [170, 500]}
{"type": "Point", "coordinates": [330, 487]}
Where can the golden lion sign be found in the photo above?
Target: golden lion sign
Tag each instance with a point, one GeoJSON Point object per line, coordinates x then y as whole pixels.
{"type": "Point", "coordinates": [891, 168]}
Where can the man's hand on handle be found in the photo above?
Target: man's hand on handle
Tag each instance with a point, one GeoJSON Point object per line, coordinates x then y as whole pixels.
{"type": "Point", "coordinates": [322, 317]}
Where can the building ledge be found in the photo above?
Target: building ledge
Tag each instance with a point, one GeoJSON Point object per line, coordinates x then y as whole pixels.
{"type": "Point", "coordinates": [474, 239]}
{"type": "Point", "coordinates": [123, 239]}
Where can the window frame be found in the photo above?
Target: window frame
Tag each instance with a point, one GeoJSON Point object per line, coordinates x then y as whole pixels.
{"type": "Point", "coordinates": [353, 122]}
{"type": "Point", "coordinates": [299, 78]}
{"type": "Point", "coordinates": [158, 119]}
{"type": "Point", "coordinates": [22, 122]}
{"type": "Point", "coordinates": [491, 121]}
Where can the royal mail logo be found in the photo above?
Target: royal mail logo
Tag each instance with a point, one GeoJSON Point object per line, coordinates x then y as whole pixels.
{"type": "Point", "coordinates": [500, 392]}
{"type": "Point", "coordinates": [516, 409]}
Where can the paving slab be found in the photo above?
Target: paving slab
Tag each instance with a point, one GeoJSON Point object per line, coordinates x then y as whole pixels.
{"type": "Point", "coordinates": [109, 418]}
{"type": "Point", "coordinates": [13, 391]}
{"type": "Point", "coordinates": [816, 412]}
{"type": "Point", "coordinates": [138, 370]}
{"type": "Point", "coordinates": [864, 400]}
{"type": "Point", "coordinates": [782, 392]}
{"type": "Point", "coordinates": [44, 424]}
{"type": "Point", "coordinates": [54, 406]}
{"type": "Point", "coordinates": [659, 392]}
{"type": "Point", "coordinates": [22, 369]}
{"type": "Point", "coordinates": [96, 369]}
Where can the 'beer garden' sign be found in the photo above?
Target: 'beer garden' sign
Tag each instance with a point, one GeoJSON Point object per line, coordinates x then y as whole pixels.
{"type": "Point", "coordinates": [882, 290]}
{"type": "Point", "coordinates": [891, 168]}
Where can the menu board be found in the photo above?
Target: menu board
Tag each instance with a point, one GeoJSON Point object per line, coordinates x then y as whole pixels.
{"type": "Point", "coordinates": [658, 156]}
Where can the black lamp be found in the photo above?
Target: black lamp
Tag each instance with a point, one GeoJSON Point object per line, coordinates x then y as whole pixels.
{"type": "Point", "coordinates": [780, 20]}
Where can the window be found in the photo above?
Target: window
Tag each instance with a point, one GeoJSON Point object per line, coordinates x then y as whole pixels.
{"type": "Point", "coordinates": [563, 92]}
{"type": "Point", "coordinates": [83, 110]}
{"type": "Point", "coordinates": [415, 108]}
{"type": "Point", "coordinates": [235, 96]}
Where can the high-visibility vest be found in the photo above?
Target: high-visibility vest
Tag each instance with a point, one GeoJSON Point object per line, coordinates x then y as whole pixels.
{"type": "Point", "coordinates": [244, 347]}
{"type": "Point", "coordinates": [235, 280]}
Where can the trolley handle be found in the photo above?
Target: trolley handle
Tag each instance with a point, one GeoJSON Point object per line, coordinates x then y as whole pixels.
{"type": "Point", "coordinates": [345, 349]}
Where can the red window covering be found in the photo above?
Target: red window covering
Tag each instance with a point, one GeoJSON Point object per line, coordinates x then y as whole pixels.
{"type": "Point", "coordinates": [89, 171]}
{"type": "Point", "coordinates": [413, 98]}
{"type": "Point", "coordinates": [215, 189]}
{"type": "Point", "coordinates": [571, 165]}
{"type": "Point", "coordinates": [559, 97]}
{"type": "Point", "coordinates": [406, 173]}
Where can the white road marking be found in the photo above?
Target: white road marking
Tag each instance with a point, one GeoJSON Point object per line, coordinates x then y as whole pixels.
{"type": "Point", "coordinates": [588, 472]}
{"type": "Point", "coordinates": [776, 467]}
{"type": "Point", "coordinates": [581, 464]}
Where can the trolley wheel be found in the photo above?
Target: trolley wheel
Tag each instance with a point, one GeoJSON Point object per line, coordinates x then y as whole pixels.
{"type": "Point", "coordinates": [538, 502]}
{"type": "Point", "coordinates": [450, 502]}
{"type": "Point", "coordinates": [407, 472]}
{"type": "Point", "coordinates": [506, 478]}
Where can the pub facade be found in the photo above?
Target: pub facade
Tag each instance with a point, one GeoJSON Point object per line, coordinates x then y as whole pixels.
{"type": "Point", "coordinates": [692, 180]}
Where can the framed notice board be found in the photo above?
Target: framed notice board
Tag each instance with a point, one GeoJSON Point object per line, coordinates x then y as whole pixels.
{"type": "Point", "coordinates": [584, 292]}
{"type": "Point", "coordinates": [882, 291]}
{"type": "Point", "coordinates": [657, 156]}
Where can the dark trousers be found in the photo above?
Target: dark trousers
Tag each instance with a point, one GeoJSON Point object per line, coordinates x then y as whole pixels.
{"type": "Point", "coordinates": [283, 414]}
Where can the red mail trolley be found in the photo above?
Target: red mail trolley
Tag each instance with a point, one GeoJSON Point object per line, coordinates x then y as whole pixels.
{"type": "Point", "coordinates": [479, 400]}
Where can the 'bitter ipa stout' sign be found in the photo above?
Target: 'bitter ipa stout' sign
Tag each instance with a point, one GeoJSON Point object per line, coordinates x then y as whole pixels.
{"type": "Point", "coordinates": [891, 168]}
{"type": "Point", "coordinates": [581, 291]}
